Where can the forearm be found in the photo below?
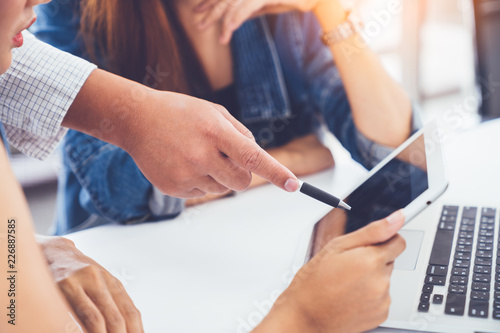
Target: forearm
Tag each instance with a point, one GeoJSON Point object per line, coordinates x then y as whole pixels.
{"type": "Point", "coordinates": [381, 109]}
{"type": "Point", "coordinates": [36, 298]}
{"type": "Point", "coordinates": [107, 106]}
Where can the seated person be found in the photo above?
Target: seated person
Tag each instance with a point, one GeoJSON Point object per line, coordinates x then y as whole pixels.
{"type": "Point", "coordinates": [275, 76]}
{"type": "Point", "coordinates": [100, 303]}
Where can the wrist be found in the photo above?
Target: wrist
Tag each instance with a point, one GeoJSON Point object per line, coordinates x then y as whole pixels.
{"type": "Point", "coordinates": [285, 317]}
{"type": "Point", "coordinates": [134, 118]}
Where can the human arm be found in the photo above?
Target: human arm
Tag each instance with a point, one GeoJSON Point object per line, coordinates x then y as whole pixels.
{"type": "Point", "coordinates": [213, 152]}
{"type": "Point", "coordinates": [303, 156]}
{"type": "Point", "coordinates": [36, 297]}
{"type": "Point", "coordinates": [332, 294]}
{"type": "Point", "coordinates": [97, 298]}
{"type": "Point", "coordinates": [380, 108]}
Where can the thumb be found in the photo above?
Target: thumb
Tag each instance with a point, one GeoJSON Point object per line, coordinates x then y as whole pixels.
{"type": "Point", "coordinates": [374, 233]}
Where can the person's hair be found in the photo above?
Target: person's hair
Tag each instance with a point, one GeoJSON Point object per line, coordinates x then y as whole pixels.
{"type": "Point", "coordinates": [143, 40]}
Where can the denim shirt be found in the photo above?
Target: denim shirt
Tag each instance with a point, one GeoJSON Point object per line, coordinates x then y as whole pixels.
{"type": "Point", "coordinates": [286, 83]}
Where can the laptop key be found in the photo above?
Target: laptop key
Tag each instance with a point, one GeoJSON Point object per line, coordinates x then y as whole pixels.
{"type": "Point", "coordinates": [487, 233]}
{"type": "Point", "coordinates": [462, 255]}
{"type": "Point", "coordinates": [427, 288]}
{"type": "Point", "coordinates": [435, 280]}
{"type": "Point", "coordinates": [478, 309]}
{"type": "Point", "coordinates": [484, 254]}
{"type": "Point", "coordinates": [485, 240]}
{"type": "Point", "coordinates": [437, 270]}
{"type": "Point", "coordinates": [457, 289]}
{"type": "Point", "coordinates": [466, 234]}
{"type": "Point", "coordinates": [464, 248]}
{"type": "Point", "coordinates": [483, 261]}
{"type": "Point", "coordinates": [438, 299]}
{"type": "Point", "coordinates": [496, 314]}
{"type": "Point", "coordinates": [460, 271]}
{"type": "Point", "coordinates": [455, 304]}
{"type": "Point", "coordinates": [490, 212]}
{"type": "Point", "coordinates": [487, 220]}
{"type": "Point", "coordinates": [480, 286]}
{"type": "Point", "coordinates": [425, 297]}
{"type": "Point", "coordinates": [461, 263]}
{"type": "Point", "coordinates": [484, 246]}
{"type": "Point", "coordinates": [441, 249]}
{"type": "Point", "coordinates": [482, 269]}
{"type": "Point", "coordinates": [469, 212]}
{"type": "Point", "coordinates": [450, 210]}
{"type": "Point", "coordinates": [464, 241]}
{"type": "Point", "coordinates": [449, 218]}
{"type": "Point", "coordinates": [423, 307]}
{"type": "Point", "coordinates": [459, 280]}
{"type": "Point", "coordinates": [465, 227]}
{"type": "Point", "coordinates": [446, 226]}
{"type": "Point", "coordinates": [466, 221]}
{"type": "Point", "coordinates": [479, 296]}
{"type": "Point", "coordinates": [497, 270]}
{"type": "Point", "coordinates": [481, 278]}
{"type": "Point", "coordinates": [486, 226]}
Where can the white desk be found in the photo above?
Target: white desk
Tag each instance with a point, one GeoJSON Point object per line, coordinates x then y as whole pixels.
{"type": "Point", "coordinates": [217, 266]}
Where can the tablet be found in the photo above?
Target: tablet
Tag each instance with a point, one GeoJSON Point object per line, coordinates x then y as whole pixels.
{"type": "Point", "coordinates": [411, 177]}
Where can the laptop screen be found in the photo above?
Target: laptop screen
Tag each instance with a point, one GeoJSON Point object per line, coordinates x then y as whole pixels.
{"type": "Point", "coordinates": [392, 187]}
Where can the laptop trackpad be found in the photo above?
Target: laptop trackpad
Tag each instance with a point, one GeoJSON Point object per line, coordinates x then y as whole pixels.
{"type": "Point", "coordinates": [407, 261]}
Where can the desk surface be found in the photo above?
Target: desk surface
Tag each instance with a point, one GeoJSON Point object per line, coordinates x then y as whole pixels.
{"type": "Point", "coordinates": [217, 267]}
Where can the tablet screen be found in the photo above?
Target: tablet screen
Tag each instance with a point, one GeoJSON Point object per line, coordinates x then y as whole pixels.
{"type": "Point", "coordinates": [392, 187]}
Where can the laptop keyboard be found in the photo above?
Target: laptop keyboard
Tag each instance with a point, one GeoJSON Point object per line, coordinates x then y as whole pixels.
{"type": "Point", "coordinates": [468, 264]}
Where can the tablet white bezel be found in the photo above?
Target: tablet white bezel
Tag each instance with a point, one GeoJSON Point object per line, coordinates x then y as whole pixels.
{"type": "Point", "coordinates": [438, 181]}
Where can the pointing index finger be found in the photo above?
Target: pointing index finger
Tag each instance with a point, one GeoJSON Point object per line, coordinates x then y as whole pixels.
{"type": "Point", "coordinates": [250, 156]}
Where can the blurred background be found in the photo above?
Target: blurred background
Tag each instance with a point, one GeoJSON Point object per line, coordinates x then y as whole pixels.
{"type": "Point", "coordinates": [442, 52]}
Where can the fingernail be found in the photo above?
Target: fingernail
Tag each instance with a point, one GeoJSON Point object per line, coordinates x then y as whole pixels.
{"type": "Point", "coordinates": [292, 185]}
{"type": "Point", "coordinates": [396, 218]}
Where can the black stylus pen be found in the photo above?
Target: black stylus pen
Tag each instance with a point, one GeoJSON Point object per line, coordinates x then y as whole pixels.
{"type": "Point", "coordinates": [322, 196]}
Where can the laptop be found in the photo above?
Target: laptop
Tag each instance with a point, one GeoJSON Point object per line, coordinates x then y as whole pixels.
{"type": "Point", "coordinates": [447, 281]}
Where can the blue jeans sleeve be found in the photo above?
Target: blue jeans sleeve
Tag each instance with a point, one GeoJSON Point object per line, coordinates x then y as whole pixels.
{"type": "Point", "coordinates": [111, 181]}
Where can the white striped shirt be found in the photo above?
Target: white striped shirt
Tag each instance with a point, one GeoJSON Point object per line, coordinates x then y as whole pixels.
{"type": "Point", "coordinates": [35, 94]}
